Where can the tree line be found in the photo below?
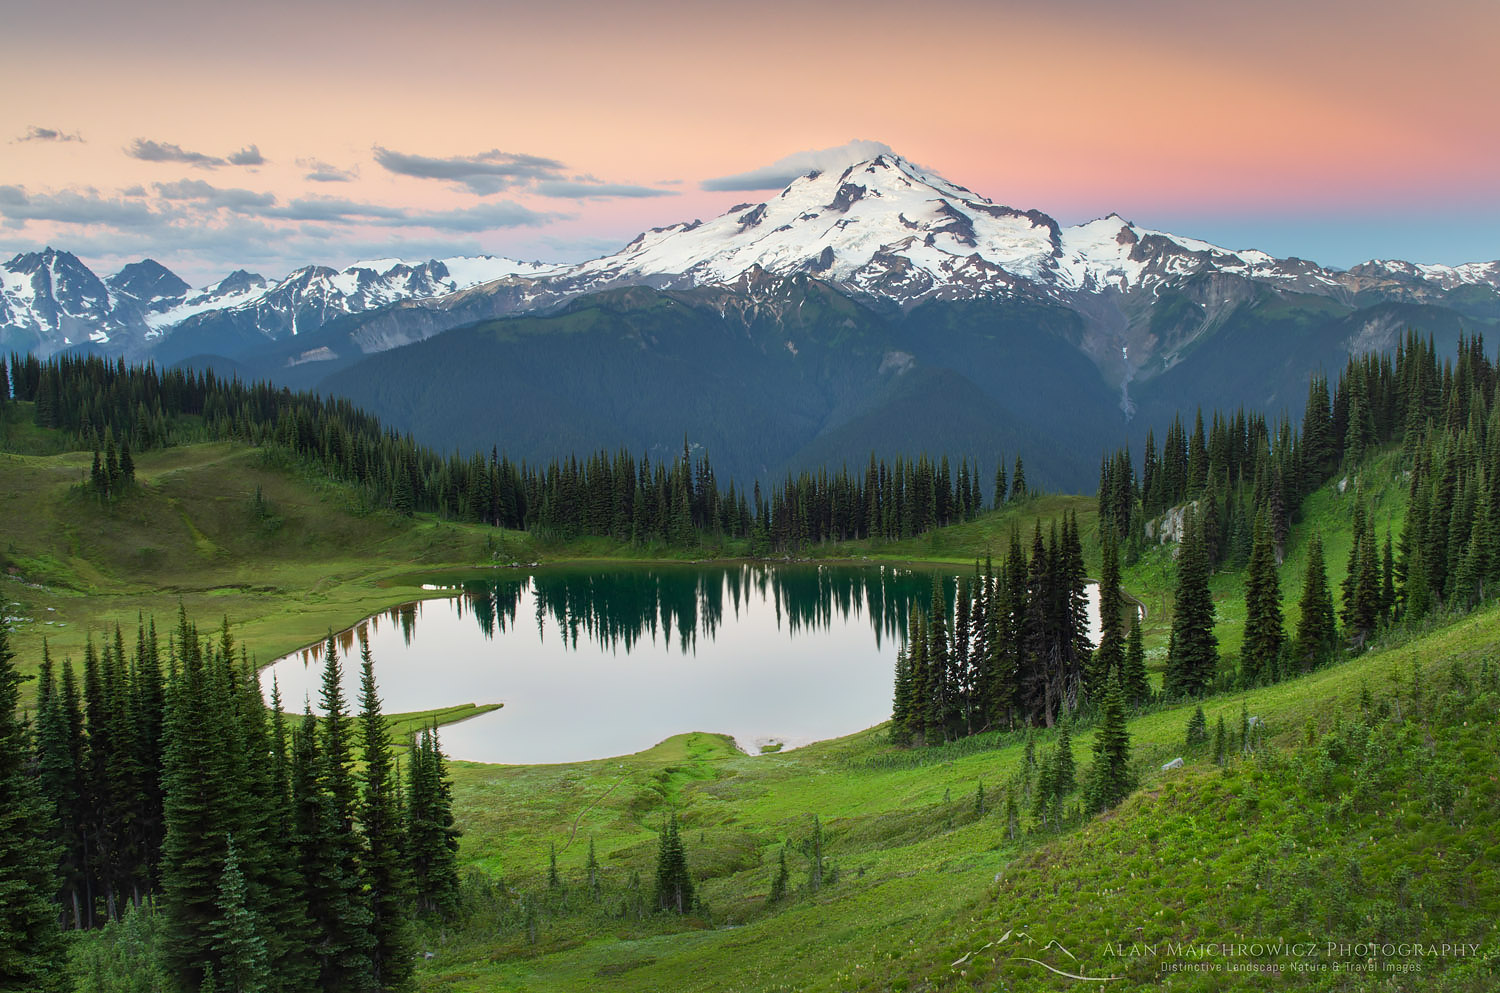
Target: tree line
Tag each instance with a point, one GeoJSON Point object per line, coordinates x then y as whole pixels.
{"type": "Point", "coordinates": [1240, 487]}
{"type": "Point", "coordinates": [121, 411]}
{"type": "Point", "coordinates": [1014, 649]}
{"type": "Point", "coordinates": [271, 853]}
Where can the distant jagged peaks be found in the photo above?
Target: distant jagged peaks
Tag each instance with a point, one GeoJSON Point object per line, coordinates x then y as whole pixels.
{"type": "Point", "coordinates": [882, 229]}
{"type": "Point", "coordinates": [51, 300]}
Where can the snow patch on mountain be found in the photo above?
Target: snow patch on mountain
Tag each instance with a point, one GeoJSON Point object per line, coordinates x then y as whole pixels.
{"type": "Point", "coordinates": [885, 230]}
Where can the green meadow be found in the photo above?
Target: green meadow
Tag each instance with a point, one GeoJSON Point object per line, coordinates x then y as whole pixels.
{"type": "Point", "coordinates": [1361, 815]}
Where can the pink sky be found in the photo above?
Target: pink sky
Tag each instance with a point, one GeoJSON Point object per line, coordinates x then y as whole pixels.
{"type": "Point", "coordinates": [1331, 130]}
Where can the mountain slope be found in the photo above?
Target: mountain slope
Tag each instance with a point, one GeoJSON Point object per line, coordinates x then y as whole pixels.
{"type": "Point", "coordinates": [1067, 331]}
{"type": "Point", "coordinates": [50, 301]}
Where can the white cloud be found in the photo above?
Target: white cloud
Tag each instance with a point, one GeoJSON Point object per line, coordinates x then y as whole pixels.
{"type": "Point", "coordinates": [781, 172]}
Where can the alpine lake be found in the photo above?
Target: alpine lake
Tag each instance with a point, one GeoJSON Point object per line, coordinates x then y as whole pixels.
{"type": "Point", "coordinates": [601, 660]}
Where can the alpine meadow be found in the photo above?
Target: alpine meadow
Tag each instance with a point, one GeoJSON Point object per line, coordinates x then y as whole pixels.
{"type": "Point", "coordinates": [481, 510]}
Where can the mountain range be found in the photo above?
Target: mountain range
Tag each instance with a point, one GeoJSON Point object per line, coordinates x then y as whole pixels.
{"type": "Point", "coordinates": [881, 307]}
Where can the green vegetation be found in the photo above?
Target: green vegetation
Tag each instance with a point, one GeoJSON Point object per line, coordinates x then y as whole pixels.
{"type": "Point", "coordinates": [916, 889]}
{"type": "Point", "coordinates": [1345, 804]}
{"type": "Point", "coordinates": [261, 860]}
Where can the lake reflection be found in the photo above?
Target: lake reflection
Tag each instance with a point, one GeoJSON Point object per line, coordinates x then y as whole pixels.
{"type": "Point", "coordinates": [600, 661]}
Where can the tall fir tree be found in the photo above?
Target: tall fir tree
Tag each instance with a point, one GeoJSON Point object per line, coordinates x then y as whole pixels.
{"type": "Point", "coordinates": [239, 947]}
{"type": "Point", "coordinates": [1111, 778]}
{"type": "Point", "coordinates": [1193, 649]}
{"type": "Point", "coordinates": [58, 760]}
{"type": "Point", "coordinates": [1317, 634]}
{"type": "Point", "coordinates": [1260, 650]}
{"type": "Point", "coordinates": [432, 838]}
{"type": "Point", "coordinates": [1108, 659]}
{"type": "Point", "coordinates": [340, 908]}
{"type": "Point", "coordinates": [674, 884]}
{"type": "Point", "coordinates": [900, 701]}
{"type": "Point", "coordinates": [197, 797]}
{"type": "Point", "coordinates": [1134, 681]}
{"type": "Point", "coordinates": [32, 953]}
{"type": "Point", "coordinates": [389, 885]}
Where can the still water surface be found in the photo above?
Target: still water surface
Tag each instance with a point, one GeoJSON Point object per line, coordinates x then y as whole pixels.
{"type": "Point", "coordinates": [606, 661]}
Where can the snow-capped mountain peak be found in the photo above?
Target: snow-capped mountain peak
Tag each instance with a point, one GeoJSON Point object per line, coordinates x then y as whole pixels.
{"type": "Point", "coordinates": [890, 229]}
{"type": "Point", "coordinates": [51, 300]}
{"type": "Point", "coordinates": [52, 295]}
{"type": "Point", "coordinates": [883, 229]}
{"type": "Point", "coordinates": [879, 225]}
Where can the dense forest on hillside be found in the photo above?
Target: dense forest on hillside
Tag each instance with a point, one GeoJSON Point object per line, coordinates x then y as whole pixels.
{"type": "Point", "coordinates": [155, 798]}
{"type": "Point", "coordinates": [1013, 651]}
{"type": "Point", "coordinates": [261, 851]}
{"type": "Point", "coordinates": [119, 411]}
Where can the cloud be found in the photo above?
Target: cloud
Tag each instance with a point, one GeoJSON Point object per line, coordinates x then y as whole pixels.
{"type": "Point", "coordinates": [321, 172]}
{"type": "Point", "coordinates": [18, 206]}
{"type": "Point", "coordinates": [336, 209]}
{"type": "Point", "coordinates": [596, 190]}
{"type": "Point", "coordinates": [35, 133]}
{"type": "Point", "coordinates": [482, 174]}
{"type": "Point", "coordinates": [781, 172]}
{"type": "Point", "coordinates": [156, 151]}
{"type": "Point", "coordinates": [240, 201]}
{"type": "Point", "coordinates": [484, 217]}
{"type": "Point", "coordinates": [201, 230]}
{"type": "Point", "coordinates": [248, 156]}
{"type": "Point", "coordinates": [495, 171]}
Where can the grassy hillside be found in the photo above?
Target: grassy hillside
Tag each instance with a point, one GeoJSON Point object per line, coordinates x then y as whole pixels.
{"type": "Point", "coordinates": [1365, 812]}
{"type": "Point", "coordinates": [312, 556]}
{"type": "Point", "coordinates": [1378, 829]}
{"type": "Point", "coordinates": [308, 556]}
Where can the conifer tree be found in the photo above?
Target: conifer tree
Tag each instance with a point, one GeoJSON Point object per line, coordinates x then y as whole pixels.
{"type": "Point", "coordinates": [1111, 778]}
{"type": "Point", "coordinates": [32, 953]}
{"type": "Point", "coordinates": [674, 885]}
{"type": "Point", "coordinates": [286, 913]}
{"type": "Point", "coordinates": [920, 720]}
{"type": "Point", "coordinates": [432, 839]}
{"type": "Point", "coordinates": [1261, 647]}
{"type": "Point", "coordinates": [240, 950]}
{"type": "Point", "coordinates": [1361, 607]}
{"type": "Point", "coordinates": [813, 846]}
{"type": "Point", "coordinates": [385, 869]}
{"type": "Point", "coordinates": [1018, 491]}
{"type": "Point", "coordinates": [900, 701]}
{"type": "Point", "coordinates": [197, 797]}
{"type": "Point", "coordinates": [941, 686]}
{"type": "Point", "coordinates": [340, 907]}
{"type": "Point", "coordinates": [59, 760]}
{"type": "Point", "coordinates": [1388, 578]}
{"type": "Point", "coordinates": [1108, 661]}
{"type": "Point", "coordinates": [1192, 654]}
{"type": "Point", "coordinates": [779, 880]}
{"type": "Point", "coordinates": [1064, 775]}
{"type": "Point", "coordinates": [1197, 729]}
{"type": "Point", "coordinates": [1034, 685]}
{"type": "Point", "coordinates": [1133, 681]}
{"type": "Point", "coordinates": [1316, 633]}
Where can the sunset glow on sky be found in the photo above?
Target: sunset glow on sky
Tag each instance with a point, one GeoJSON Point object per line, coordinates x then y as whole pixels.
{"type": "Point", "coordinates": [211, 136]}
